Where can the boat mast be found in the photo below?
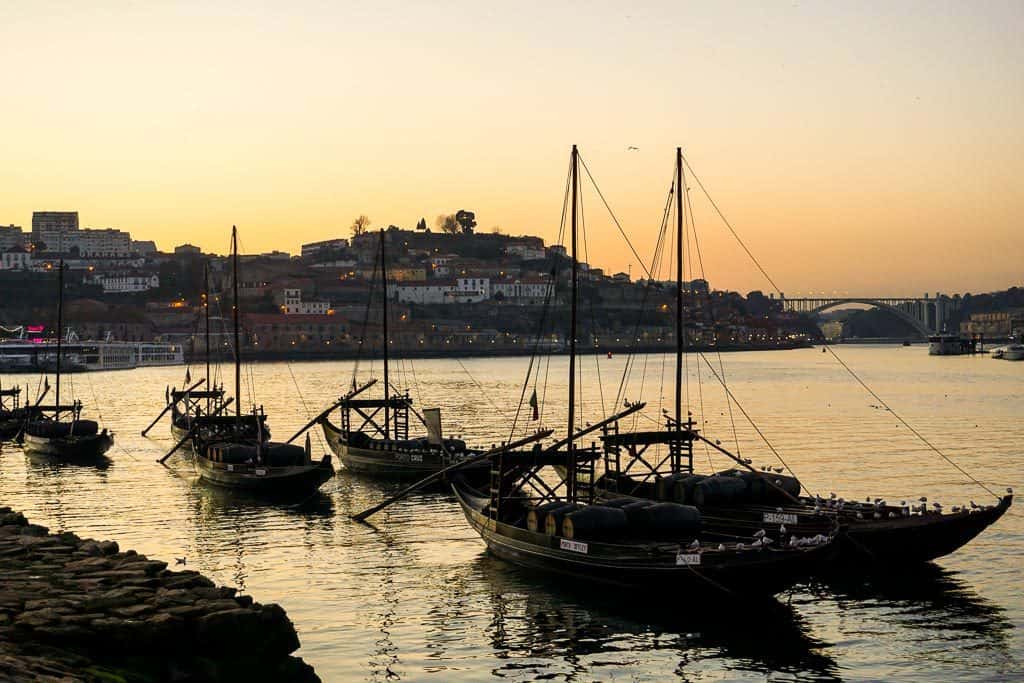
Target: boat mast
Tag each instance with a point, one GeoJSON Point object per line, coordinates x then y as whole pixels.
{"type": "Point", "coordinates": [234, 316]}
{"type": "Point", "coordinates": [679, 288]}
{"type": "Point", "coordinates": [206, 307]}
{"type": "Point", "coordinates": [384, 285]}
{"type": "Point", "coordinates": [60, 331]}
{"type": "Point", "coordinates": [570, 479]}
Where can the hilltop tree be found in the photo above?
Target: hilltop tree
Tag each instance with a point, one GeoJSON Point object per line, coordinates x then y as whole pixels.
{"type": "Point", "coordinates": [448, 224]}
{"type": "Point", "coordinates": [360, 225]}
{"type": "Point", "coordinates": [422, 225]}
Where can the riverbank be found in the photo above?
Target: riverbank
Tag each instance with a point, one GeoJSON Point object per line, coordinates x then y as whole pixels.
{"type": "Point", "coordinates": [464, 351]}
{"type": "Point", "coordinates": [79, 609]}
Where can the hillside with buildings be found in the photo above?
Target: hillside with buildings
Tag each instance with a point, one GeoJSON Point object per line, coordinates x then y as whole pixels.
{"type": "Point", "coordinates": [450, 291]}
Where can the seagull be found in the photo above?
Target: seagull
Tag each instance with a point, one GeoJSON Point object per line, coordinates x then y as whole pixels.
{"type": "Point", "coordinates": [759, 533]}
{"type": "Point", "coordinates": [721, 546]}
{"type": "Point", "coordinates": [782, 529]}
{"type": "Point", "coordinates": [179, 560]}
{"type": "Point", "coordinates": [974, 506]}
{"type": "Point", "coordinates": [694, 545]}
{"type": "Point", "coordinates": [923, 499]}
{"type": "Point", "coordinates": [631, 148]}
{"type": "Point", "coordinates": [1009, 490]}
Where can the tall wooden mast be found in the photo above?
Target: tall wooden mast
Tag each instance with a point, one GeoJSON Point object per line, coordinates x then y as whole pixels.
{"type": "Point", "coordinates": [60, 331]}
{"type": "Point", "coordinates": [234, 320]}
{"type": "Point", "coordinates": [570, 479]}
{"type": "Point", "coordinates": [679, 288]}
{"type": "Point", "coordinates": [384, 290]}
{"type": "Point", "coordinates": [206, 311]}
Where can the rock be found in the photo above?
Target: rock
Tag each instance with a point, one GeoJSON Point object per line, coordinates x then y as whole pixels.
{"type": "Point", "coordinates": [118, 597]}
{"type": "Point", "coordinates": [132, 611]}
{"type": "Point", "coordinates": [39, 617]}
{"type": "Point", "coordinates": [108, 547]}
{"type": "Point", "coordinates": [34, 530]}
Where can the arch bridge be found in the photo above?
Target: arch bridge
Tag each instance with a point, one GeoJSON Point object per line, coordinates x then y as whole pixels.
{"type": "Point", "coordinates": [925, 314]}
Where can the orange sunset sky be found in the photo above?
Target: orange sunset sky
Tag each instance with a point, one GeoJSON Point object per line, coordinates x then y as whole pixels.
{"type": "Point", "coordinates": [863, 147]}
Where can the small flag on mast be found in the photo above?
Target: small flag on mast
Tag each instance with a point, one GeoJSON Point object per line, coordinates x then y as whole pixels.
{"type": "Point", "coordinates": [188, 377]}
{"type": "Point", "coordinates": [533, 404]}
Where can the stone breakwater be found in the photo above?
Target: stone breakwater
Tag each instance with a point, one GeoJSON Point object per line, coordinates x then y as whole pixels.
{"type": "Point", "coordinates": [79, 609]}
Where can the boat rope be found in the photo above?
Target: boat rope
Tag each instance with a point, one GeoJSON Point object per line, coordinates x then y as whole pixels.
{"type": "Point", "coordinates": [850, 370]}
{"type": "Point", "coordinates": [728, 224]}
{"type": "Point", "coordinates": [593, 323]}
{"type": "Point", "coordinates": [302, 399]}
{"type": "Point", "coordinates": [749, 419]}
{"type": "Point", "coordinates": [484, 393]}
{"type": "Point", "coordinates": [711, 313]}
{"type": "Point", "coordinates": [549, 298]}
{"type": "Point", "coordinates": [906, 424]}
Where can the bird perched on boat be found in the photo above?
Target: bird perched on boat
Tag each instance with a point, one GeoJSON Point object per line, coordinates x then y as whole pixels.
{"type": "Point", "coordinates": [721, 546]}
{"type": "Point", "coordinates": [1009, 489]}
{"type": "Point", "coordinates": [778, 470]}
{"type": "Point", "coordinates": [759, 533]}
{"type": "Point", "coordinates": [694, 545]}
{"type": "Point", "coordinates": [923, 499]}
{"type": "Point", "coordinates": [974, 506]}
{"type": "Point", "coordinates": [782, 530]}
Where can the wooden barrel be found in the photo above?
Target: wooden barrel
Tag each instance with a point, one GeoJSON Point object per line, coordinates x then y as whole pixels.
{"type": "Point", "coordinates": [663, 486]}
{"type": "Point", "coordinates": [618, 502]}
{"type": "Point", "coordinates": [668, 521]}
{"type": "Point", "coordinates": [535, 517]}
{"type": "Point", "coordinates": [634, 518]}
{"type": "Point", "coordinates": [719, 491]}
{"type": "Point", "coordinates": [595, 522]}
{"type": "Point", "coordinates": [553, 520]}
{"type": "Point", "coordinates": [682, 488]}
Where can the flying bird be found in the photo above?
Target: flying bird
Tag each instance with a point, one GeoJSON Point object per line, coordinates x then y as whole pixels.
{"type": "Point", "coordinates": [631, 148]}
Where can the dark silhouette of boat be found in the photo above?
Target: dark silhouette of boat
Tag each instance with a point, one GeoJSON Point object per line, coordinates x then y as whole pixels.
{"type": "Point", "coordinates": [13, 414]}
{"type": "Point", "coordinates": [554, 524]}
{"type": "Point", "coordinates": [58, 430]}
{"type": "Point", "coordinates": [744, 498]}
{"type": "Point", "coordinates": [235, 451]}
{"type": "Point", "coordinates": [373, 437]}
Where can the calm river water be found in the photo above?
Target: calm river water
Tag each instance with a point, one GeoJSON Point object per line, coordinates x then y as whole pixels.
{"type": "Point", "coordinates": [416, 597]}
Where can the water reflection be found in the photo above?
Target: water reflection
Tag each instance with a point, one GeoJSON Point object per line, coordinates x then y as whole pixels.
{"type": "Point", "coordinates": [539, 624]}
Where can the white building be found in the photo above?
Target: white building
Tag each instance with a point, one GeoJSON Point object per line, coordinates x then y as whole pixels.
{"type": "Point", "coordinates": [526, 252]}
{"type": "Point", "coordinates": [125, 283]}
{"type": "Point", "coordinates": [470, 290]}
{"type": "Point", "coordinates": [440, 266]}
{"type": "Point", "coordinates": [314, 248]}
{"type": "Point", "coordinates": [143, 247]}
{"type": "Point", "coordinates": [105, 243]}
{"type": "Point", "coordinates": [294, 305]}
{"type": "Point", "coordinates": [421, 291]}
{"type": "Point", "coordinates": [522, 291]}
{"type": "Point", "coordinates": [16, 258]}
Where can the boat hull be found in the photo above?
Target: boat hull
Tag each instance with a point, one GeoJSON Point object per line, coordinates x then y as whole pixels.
{"type": "Point", "coordinates": [918, 538]}
{"type": "Point", "coordinates": [386, 463]}
{"type": "Point", "coordinates": [647, 566]}
{"type": "Point", "coordinates": [265, 480]}
{"type": "Point", "coordinates": [70, 448]}
{"type": "Point", "coordinates": [886, 541]}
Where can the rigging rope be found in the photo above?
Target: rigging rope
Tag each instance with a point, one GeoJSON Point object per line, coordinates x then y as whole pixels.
{"type": "Point", "coordinates": [853, 374]}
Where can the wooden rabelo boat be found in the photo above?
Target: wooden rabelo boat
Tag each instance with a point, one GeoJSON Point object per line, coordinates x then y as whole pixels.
{"type": "Point", "coordinates": [657, 466]}
{"type": "Point", "coordinates": [58, 431]}
{"type": "Point", "coordinates": [373, 435]}
{"type": "Point", "coordinates": [530, 516]}
{"type": "Point", "coordinates": [13, 414]}
{"type": "Point", "coordinates": [235, 451]}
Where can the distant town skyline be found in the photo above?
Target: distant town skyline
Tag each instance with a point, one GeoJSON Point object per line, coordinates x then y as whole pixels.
{"type": "Point", "coordinates": [863, 148]}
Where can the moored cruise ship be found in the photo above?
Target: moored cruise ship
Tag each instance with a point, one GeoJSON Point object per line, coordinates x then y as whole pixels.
{"type": "Point", "coordinates": [36, 356]}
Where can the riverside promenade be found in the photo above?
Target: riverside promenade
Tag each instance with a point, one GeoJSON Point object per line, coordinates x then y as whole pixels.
{"type": "Point", "coordinates": [74, 609]}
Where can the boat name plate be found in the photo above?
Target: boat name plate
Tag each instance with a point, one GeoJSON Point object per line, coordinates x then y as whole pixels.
{"type": "Point", "coordinates": [687, 558]}
{"type": "Point", "coordinates": [779, 518]}
{"type": "Point", "coordinates": [574, 546]}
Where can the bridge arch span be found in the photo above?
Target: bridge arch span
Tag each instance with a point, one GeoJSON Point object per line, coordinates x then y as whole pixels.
{"type": "Point", "coordinates": [921, 328]}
